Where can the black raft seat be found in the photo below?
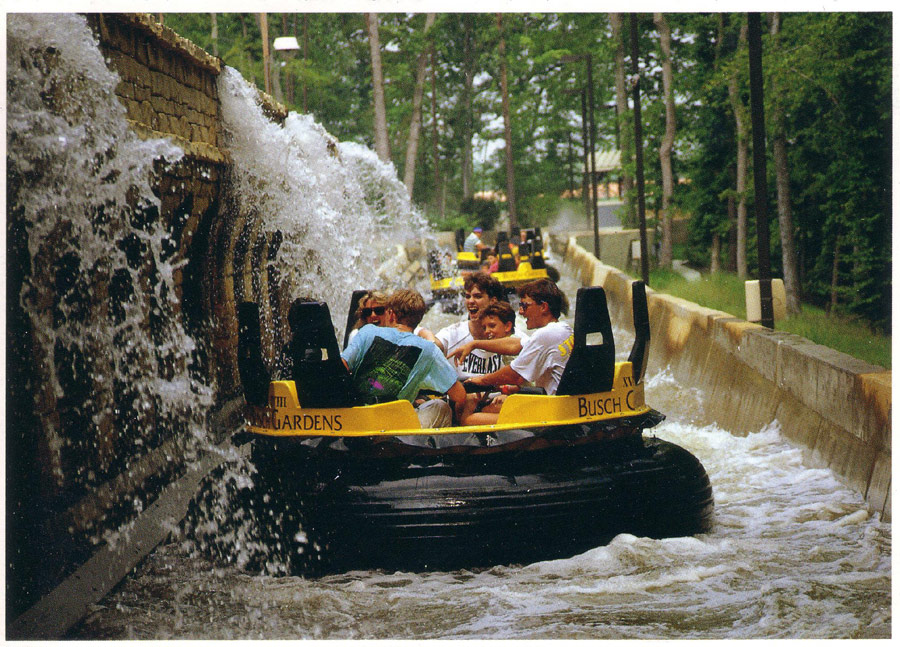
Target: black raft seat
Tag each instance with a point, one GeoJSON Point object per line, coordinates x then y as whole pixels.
{"type": "Point", "coordinates": [590, 368]}
{"type": "Point", "coordinates": [311, 358]}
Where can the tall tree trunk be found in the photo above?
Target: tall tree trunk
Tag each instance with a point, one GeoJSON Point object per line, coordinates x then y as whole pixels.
{"type": "Point", "coordinates": [623, 131]}
{"type": "Point", "coordinates": [832, 302]}
{"type": "Point", "coordinates": [434, 136]}
{"type": "Point", "coordinates": [783, 187]}
{"type": "Point", "coordinates": [305, 58]}
{"type": "Point", "coordinates": [739, 110]}
{"type": "Point", "coordinates": [214, 33]}
{"type": "Point", "coordinates": [382, 145]}
{"type": "Point", "coordinates": [731, 209]}
{"type": "Point", "coordinates": [715, 253]}
{"type": "Point", "coordinates": [264, 34]}
{"type": "Point", "coordinates": [507, 131]}
{"type": "Point", "coordinates": [288, 80]}
{"type": "Point", "coordinates": [668, 140]}
{"type": "Point", "coordinates": [468, 165]}
{"type": "Point", "coordinates": [412, 142]}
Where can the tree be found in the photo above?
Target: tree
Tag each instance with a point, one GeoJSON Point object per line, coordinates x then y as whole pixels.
{"type": "Point", "coordinates": [668, 141]}
{"type": "Point", "coordinates": [624, 132]}
{"type": "Point", "coordinates": [783, 186]}
{"type": "Point", "coordinates": [382, 145]}
{"type": "Point", "coordinates": [468, 90]}
{"type": "Point", "coordinates": [214, 34]}
{"type": "Point", "coordinates": [507, 130]}
{"type": "Point", "coordinates": [412, 142]}
{"type": "Point", "coordinates": [740, 122]}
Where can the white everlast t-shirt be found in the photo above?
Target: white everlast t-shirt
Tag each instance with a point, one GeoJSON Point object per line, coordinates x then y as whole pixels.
{"type": "Point", "coordinates": [544, 355]}
{"type": "Point", "coordinates": [478, 362]}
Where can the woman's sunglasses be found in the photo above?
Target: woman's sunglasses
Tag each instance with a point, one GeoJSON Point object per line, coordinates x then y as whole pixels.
{"type": "Point", "coordinates": [367, 312]}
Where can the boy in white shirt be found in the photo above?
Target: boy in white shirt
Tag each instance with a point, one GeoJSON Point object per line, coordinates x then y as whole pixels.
{"type": "Point", "coordinates": [480, 290]}
{"type": "Point", "coordinates": [540, 359]}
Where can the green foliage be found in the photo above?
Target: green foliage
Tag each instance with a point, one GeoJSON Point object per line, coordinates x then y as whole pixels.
{"type": "Point", "coordinates": [483, 212]}
{"type": "Point", "coordinates": [830, 74]}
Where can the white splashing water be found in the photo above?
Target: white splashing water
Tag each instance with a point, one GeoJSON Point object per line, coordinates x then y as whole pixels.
{"type": "Point", "coordinates": [341, 209]}
{"type": "Point", "coordinates": [82, 187]}
{"type": "Point", "coordinates": [83, 191]}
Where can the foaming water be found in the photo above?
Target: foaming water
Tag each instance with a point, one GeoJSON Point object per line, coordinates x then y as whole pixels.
{"type": "Point", "coordinates": [793, 554]}
{"type": "Point", "coordinates": [340, 209]}
{"type": "Point", "coordinates": [99, 293]}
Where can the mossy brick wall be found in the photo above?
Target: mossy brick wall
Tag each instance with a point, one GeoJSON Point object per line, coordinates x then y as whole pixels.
{"type": "Point", "coordinates": [168, 87]}
{"type": "Point", "coordinates": [836, 407]}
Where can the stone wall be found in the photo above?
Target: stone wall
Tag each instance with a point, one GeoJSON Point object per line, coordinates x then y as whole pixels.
{"type": "Point", "coordinates": [168, 88]}
{"type": "Point", "coordinates": [836, 407]}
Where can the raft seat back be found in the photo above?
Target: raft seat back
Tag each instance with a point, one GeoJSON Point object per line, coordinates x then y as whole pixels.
{"type": "Point", "coordinates": [251, 367]}
{"type": "Point", "coordinates": [319, 374]}
{"type": "Point", "coordinates": [505, 260]}
{"type": "Point", "coordinates": [641, 348]}
{"type": "Point", "coordinates": [355, 298]}
{"type": "Point", "coordinates": [590, 368]}
{"type": "Point", "coordinates": [537, 251]}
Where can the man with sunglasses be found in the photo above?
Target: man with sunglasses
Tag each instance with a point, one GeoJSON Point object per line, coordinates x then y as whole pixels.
{"type": "Point", "coordinates": [392, 363]}
{"type": "Point", "coordinates": [540, 359]}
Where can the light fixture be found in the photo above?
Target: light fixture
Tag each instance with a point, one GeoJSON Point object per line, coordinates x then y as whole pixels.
{"type": "Point", "coordinates": [286, 43]}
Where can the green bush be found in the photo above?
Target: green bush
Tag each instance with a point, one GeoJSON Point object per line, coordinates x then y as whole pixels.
{"type": "Point", "coordinates": [484, 212]}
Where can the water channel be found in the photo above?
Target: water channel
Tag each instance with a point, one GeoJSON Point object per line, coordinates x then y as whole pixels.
{"type": "Point", "coordinates": [793, 554]}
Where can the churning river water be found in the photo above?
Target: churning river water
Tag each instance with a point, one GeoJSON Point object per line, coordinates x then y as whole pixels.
{"type": "Point", "coordinates": [793, 554]}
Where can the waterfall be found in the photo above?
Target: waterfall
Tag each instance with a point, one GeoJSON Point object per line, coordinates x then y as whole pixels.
{"type": "Point", "coordinates": [115, 372]}
{"type": "Point", "coordinates": [109, 350]}
{"type": "Point", "coordinates": [339, 207]}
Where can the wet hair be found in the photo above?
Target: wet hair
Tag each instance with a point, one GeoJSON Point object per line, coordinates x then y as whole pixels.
{"type": "Point", "coordinates": [486, 283]}
{"type": "Point", "coordinates": [408, 306]}
{"type": "Point", "coordinates": [546, 291]}
{"type": "Point", "coordinates": [502, 310]}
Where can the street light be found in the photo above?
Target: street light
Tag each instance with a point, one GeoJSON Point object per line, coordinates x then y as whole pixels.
{"type": "Point", "coordinates": [287, 44]}
{"type": "Point", "coordinates": [571, 58]}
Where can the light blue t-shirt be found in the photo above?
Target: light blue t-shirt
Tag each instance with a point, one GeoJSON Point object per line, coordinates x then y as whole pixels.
{"type": "Point", "coordinates": [390, 364]}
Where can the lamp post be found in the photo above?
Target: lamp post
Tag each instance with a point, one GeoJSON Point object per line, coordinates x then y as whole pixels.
{"type": "Point", "coordinates": [287, 44]}
{"type": "Point", "coordinates": [592, 135]}
{"type": "Point", "coordinates": [757, 118]}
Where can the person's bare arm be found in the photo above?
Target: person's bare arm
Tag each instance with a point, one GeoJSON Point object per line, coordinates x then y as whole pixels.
{"type": "Point", "coordinates": [502, 345]}
{"type": "Point", "coordinates": [424, 333]}
{"type": "Point", "coordinates": [457, 393]}
{"type": "Point", "coordinates": [503, 375]}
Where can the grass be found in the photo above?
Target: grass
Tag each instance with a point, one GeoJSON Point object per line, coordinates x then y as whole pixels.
{"type": "Point", "coordinates": [725, 292]}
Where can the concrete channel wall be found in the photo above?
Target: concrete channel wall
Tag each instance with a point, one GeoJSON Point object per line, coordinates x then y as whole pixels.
{"type": "Point", "coordinates": [836, 407]}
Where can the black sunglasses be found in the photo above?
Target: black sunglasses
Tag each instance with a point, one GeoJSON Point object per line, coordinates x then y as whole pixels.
{"type": "Point", "coordinates": [378, 310]}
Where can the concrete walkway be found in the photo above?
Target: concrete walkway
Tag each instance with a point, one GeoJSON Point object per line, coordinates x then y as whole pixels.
{"type": "Point", "coordinates": [685, 271]}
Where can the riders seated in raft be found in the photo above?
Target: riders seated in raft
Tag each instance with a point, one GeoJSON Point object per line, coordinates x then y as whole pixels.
{"type": "Point", "coordinates": [540, 359]}
{"type": "Point", "coordinates": [390, 362]}
{"type": "Point", "coordinates": [480, 290]}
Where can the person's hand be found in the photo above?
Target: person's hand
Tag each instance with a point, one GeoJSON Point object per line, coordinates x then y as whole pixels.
{"type": "Point", "coordinates": [460, 353]}
{"type": "Point", "coordinates": [476, 379]}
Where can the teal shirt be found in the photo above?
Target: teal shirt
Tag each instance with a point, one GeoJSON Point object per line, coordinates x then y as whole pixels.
{"type": "Point", "coordinates": [389, 364]}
